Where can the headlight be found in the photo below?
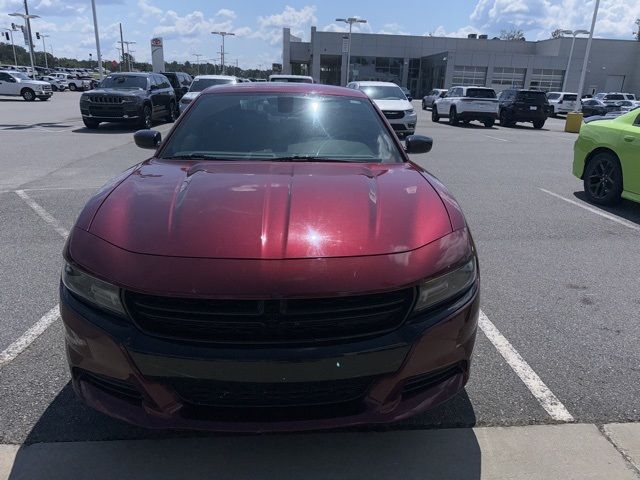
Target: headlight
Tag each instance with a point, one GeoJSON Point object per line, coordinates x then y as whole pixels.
{"type": "Point", "coordinates": [410, 112]}
{"type": "Point", "coordinates": [436, 290]}
{"type": "Point", "coordinates": [97, 292]}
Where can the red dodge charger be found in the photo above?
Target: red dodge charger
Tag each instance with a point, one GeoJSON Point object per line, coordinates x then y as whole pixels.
{"type": "Point", "coordinates": [278, 264]}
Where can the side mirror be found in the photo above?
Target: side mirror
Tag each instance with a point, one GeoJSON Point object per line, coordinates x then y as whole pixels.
{"type": "Point", "coordinates": [418, 144]}
{"type": "Point", "coordinates": [12, 80]}
{"type": "Point", "coordinates": [150, 139]}
{"type": "Point", "coordinates": [410, 99]}
{"type": "Point", "coordinates": [185, 89]}
{"type": "Point", "coordinates": [153, 88]}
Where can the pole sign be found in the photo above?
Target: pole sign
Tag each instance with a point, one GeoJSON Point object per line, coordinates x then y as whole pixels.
{"type": "Point", "coordinates": [345, 44]}
{"type": "Point", "coordinates": [157, 54]}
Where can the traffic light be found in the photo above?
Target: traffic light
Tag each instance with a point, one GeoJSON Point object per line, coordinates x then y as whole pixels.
{"type": "Point", "coordinates": [38, 35]}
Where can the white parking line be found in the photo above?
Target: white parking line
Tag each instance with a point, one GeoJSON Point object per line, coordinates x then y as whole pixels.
{"type": "Point", "coordinates": [606, 215]}
{"type": "Point", "coordinates": [28, 337]}
{"type": "Point", "coordinates": [495, 138]}
{"type": "Point", "coordinates": [42, 213]}
{"type": "Point", "coordinates": [532, 381]}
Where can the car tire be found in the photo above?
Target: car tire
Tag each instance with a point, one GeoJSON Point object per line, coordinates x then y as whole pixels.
{"type": "Point", "coordinates": [434, 114]}
{"type": "Point", "coordinates": [44, 99]}
{"type": "Point", "coordinates": [90, 124]}
{"type": "Point", "coordinates": [424, 105]}
{"type": "Point", "coordinates": [505, 121]}
{"type": "Point", "coordinates": [453, 116]}
{"type": "Point", "coordinates": [146, 118]}
{"type": "Point", "coordinates": [602, 179]}
{"type": "Point", "coordinates": [54, 87]}
{"type": "Point", "coordinates": [538, 124]}
{"type": "Point", "coordinates": [489, 123]}
{"type": "Point", "coordinates": [72, 87]}
{"type": "Point", "coordinates": [28, 94]}
{"type": "Point", "coordinates": [172, 115]}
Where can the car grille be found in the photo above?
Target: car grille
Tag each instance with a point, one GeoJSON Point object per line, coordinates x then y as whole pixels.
{"type": "Point", "coordinates": [238, 394]}
{"type": "Point", "coordinates": [393, 115]}
{"type": "Point", "coordinates": [106, 110]}
{"type": "Point", "coordinates": [270, 321]}
{"type": "Point", "coordinates": [106, 99]}
{"type": "Point", "coordinates": [46, 88]}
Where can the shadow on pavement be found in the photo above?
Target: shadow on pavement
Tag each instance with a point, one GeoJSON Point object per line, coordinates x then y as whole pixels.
{"type": "Point", "coordinates": [66, 441]}
{"type": "Point", "coordinates": [625, 209]}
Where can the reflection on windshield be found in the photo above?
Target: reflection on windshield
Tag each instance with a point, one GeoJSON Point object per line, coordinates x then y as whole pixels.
{"type": "Point", "coordinates": [282, 127]}
{"type": "Point", "coordinates": [124, 81]}
{"type": "Point", "coordinates": [21, 75]}
{"type": "Point", "coordinates": [202, 83]}
{"type": "Point", "coordinates": [384, 93]}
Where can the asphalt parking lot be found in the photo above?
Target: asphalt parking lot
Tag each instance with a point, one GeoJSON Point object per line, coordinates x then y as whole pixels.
{"type": "Point", "coordinates": [560, 279]}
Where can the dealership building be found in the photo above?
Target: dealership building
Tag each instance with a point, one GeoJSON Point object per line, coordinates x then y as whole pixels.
{"type": "Point", "coordinates": [421, 63]}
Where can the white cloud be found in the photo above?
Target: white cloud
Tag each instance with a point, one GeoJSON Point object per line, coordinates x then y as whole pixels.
{"type": "Point", "coordinates": [225, 12]}
{"type": "Point", "coordinates": [462, 32]}
{"type": "Point", "coordinates": [149, 10]}
{"type": "Point", "coordinates": [299, 21]}
{"type": "Point", "coordinates": [243, 31]}
{"type": "Point", "coordinates": [393, 29]}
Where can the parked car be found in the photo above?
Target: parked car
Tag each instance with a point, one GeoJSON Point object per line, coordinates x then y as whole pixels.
{"type": "Point", "coordinates": [407, 93]}
{"type": "Point", "coordinates": [19, 84]}
{"type": "Point", "coordinates": [562, 102]}
{"type": "Point", "coordinates": [57, 84]}
{"type": "Point", "coordinates": [256, 274]}
{"type": "Point", "coordinates": [291, 78]}
{"type": "Point", "coordinates": [610, 98]}
{"type": "Point", "coordinates": [626, 105]}
{"type": "Point", "coordinates": [606, 159]}
{"type": "Point", "coordinates": [393, 103]}
{"type": "Point", "coordinates": [180, 82]}
{"type": "Point", "coordinates": [74, 82]}
{"type": "Point", "coordinates": [200, 83]}
{"type": "Point", "coordinates": [594, 106]}
{"type": "Point", "coordinates": [465, 104]}
{"type": "Point", "coordinates": [133, 98]}
{"type": "Point", "coordinates": [629, 96]}
{"type": "Point", "coordinates": [432, 96]}
{"type": "Point", "coordinates": [523, 106]}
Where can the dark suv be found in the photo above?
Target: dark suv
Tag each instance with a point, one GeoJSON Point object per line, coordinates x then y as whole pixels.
{"type": "Point", "coordinates": [180, 82]}
{"type": "Point", "coordinates": [133, 98]}
{"type": "Point", "coordinates": [523, 106]}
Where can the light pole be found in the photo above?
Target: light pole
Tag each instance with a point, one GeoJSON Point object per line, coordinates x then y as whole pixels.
{"type": "Point", "coordinates": [350, 21]}
{"type": "Point", "coordinates": [127, 43]}
{"type": "Point", "coordinates": [27, 20]}
{"type": "Point", "coordinates": [95, 30]}
{"type": "Point", "coordinates": [223, 34]}
{"type": "Point", "coordinates": [573, 33]}
{"type": "Point", "coordinates": [13, 45]}
{"type": "Point", "coordinates": [586, 54]}
{"type": "Point", "coordinates": [197, 55]}
{"type": "Point", "coordinates": [44, 48]}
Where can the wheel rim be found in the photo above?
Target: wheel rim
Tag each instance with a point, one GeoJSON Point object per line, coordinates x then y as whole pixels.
{"type": "Point", "coordinates": [28, 95]}
{"type": "Point", "coordinates": [600, 181]}
{"type": "Point", "coordinates": [147, 117]}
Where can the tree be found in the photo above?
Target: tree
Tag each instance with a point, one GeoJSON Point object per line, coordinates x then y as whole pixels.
{"type": "Point", "coordinates": [557, 33]}
{"type": "Point", "coordinates": [512, 34]}
{"type": "Point", "coordinates": [637, 34]}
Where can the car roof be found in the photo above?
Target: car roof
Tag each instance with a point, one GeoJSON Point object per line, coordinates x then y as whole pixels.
{"type": "Point", "coordinates": [222, 77]}
{"type": "Point", "coordinates": [134, 74]}
{"type": "Point", "coordinates": [368, 83]}
{"type": "Point", "coordinates": [268, 87]}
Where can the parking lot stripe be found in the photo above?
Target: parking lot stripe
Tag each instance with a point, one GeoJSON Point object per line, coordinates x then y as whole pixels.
{"type": "Point", "coordinates": [532, 381]}
{"type": "Point", "coordinates": [28, 337]}
{"type": "Point", "coordinates": [606, 215]}
{"type": "Point", "coordinates": [495, 138]}
{"type": "Point", "coordinates": [42, 213]}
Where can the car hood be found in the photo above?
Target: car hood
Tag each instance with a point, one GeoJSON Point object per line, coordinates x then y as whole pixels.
{"type": "Point", "coordinates": [386, 105]}
{"type": "Point", "coordinates": [115, 91]}
{"type": "Point", "coordinates": [251, 210]}
{"type": "Point", "coordinates": [36, 82]}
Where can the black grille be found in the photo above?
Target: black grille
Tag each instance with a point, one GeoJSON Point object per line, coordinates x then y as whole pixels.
{"type": "Point", "coordinates": [106, 99]}
{"type": "Point", "coordinates": [393, 115]}
{"type": "Point", "coordinates": [420, 383]}
{"type": "Point", "coordinates": [113, 386]}
{"type": "Point", "coordinates": [270, 321]}
{"type": "Point", "coordinates": [106, 110]}
{"type": "Point", "coordinates": [237, 394]}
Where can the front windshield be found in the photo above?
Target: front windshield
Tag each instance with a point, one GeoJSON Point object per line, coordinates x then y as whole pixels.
{"type": "Point", "coordinates": [124, 81]}
{"type": "Point", "coordinates": [384, 93]}
{"type": "Point", "coordinates": [199, 84]}
{"type": "Point", "coordinates": [285, 127]}
{"type": "Point", "coordinates": [21, 75]}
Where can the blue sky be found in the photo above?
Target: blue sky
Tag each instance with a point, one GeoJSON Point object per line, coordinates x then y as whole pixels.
{"type": "Point", "coordinates": [185, 25]}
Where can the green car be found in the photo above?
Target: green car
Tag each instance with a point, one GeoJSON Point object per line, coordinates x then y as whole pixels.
{"type": "Point", "coordinates": [607, 158]}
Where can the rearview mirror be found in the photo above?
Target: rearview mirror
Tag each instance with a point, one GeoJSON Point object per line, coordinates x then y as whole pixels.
{"type": "Point", "coordinates": [418, 144]}
{"type": "Point", "coordinates": [150, 139]}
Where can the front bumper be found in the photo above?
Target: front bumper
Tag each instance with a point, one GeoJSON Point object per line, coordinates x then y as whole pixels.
{"type": "Point", "coordinates": [124, 373]}
{"type": "Point", "coordinates": [481, 116]}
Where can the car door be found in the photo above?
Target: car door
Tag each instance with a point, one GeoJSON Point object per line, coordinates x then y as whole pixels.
{"type": "Point", "coordinates": [444, 104]}
{"type": "Point", "coordinates": [628, 150]}
{"type": "Point", "coordinates": [155, 95]}
{"type": "Point", "coordinates": [168, 92]}
{"type": "Point", "coordinates": [7, 84]}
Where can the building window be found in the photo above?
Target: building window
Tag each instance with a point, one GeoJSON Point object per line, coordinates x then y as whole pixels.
{"type": "Point", "coordinates": [383, 69]}
{"type": "Point", "coordinates": [546, 79]}
{"type": "Point", "coordinates": [467, 76]}
{"type": "Point", "coordinates": [509, 77]}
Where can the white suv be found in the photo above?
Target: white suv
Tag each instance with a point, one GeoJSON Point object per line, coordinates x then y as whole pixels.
{"type": "Point", "coordinates": [562, 102]}
{"type": "Point", "coordinates": [20, 85]}
{"type": "Point", "coordinates": [466, 104]}
{"type": "Point", "coordinates": [390, 98]}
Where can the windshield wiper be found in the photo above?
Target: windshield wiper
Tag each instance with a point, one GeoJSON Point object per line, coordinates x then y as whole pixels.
{"type": "Point", "coordinates": [193, 156]}
{"type": "Point", "coordinates": [305, 158]}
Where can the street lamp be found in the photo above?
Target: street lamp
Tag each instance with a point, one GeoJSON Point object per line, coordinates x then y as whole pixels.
{"type": "Point", "coordinates": [350, 21]}
{"type": "Point", "coordinates": [573, 33]}
{"type": "Point", "coordinates": [95, 31]}
{"type": "Point", "coordinates": [26, 17]}
{"type": "Point", "coordinates": [44, 48]}
{"type": "Point", "coordinates": [13, 45]}
{"type": "Point", "coordinates": [197, 55]}
{"type": "Point", "coordinates": [127, 43]}
{"type": "Point", "coordinates": [222, 34]}
{"type": "Point", "coordinates": [586, 53]}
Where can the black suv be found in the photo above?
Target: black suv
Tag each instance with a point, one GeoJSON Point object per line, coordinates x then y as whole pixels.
{"type": "Point", "coordinates": [523, 106]}
{"type": "Point", "coordinates": [180, 82]}
{"type": "Point", "coordinates": [134, 98]}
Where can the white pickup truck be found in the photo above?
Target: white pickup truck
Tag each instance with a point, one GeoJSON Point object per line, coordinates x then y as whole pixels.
{"type": "Point", "coordinates": [20, 85]}
{"type": "Point", "coordinates": [74, 83]}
